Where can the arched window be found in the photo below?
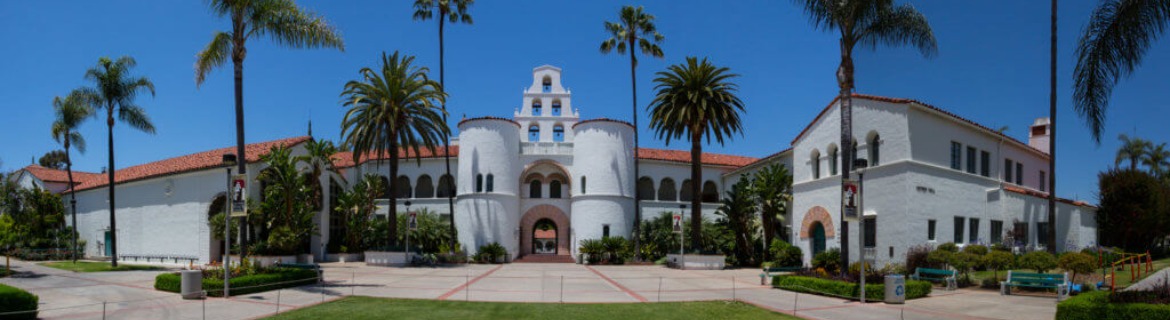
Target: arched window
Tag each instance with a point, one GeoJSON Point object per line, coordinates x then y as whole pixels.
{"type": "Point", "coordinates": [385, 187]}
{"type": "Point", "coordinates": [559, 133]}
{"type": "Point", "coordinates": [536, 107]}
{"type": "Point", "coordinates": [533, 133]}
{"type": "Point", "coordinates": [686, 194]}
{"type": "Point", "coordinates": [582, 184]}
{"type": "Point", "coordinates": [666, 190]}
{"type": "Point", "coordinates": [853, 153]}
{"type": "Point", "coordinates": [645, 188]}
{"type": "Point", "coordinates": [710, 192]}
{"type": "Point", "coordinates": [833, 160]}
{"type": "Point", "coordinates": [425, 188]}
{"type": "Point", "coordinates": [446, 186]}
{"type": "Point", "coordinates": [491, 182]}
{"type": "Point", "coordinates": [546, 84]}
{"type": "Point", "coordinates": [554, 189]}
{"type": "Point", "coordinates": [534, 189]}
{"type": "Point", "coordinates": [402, 186]}
{"type": "Point", "coordinates": [556, 107]}
{"type": "Point", "coordinates": [815, 161]}
{"type": "Point", "coordinates": [875, 149]}
{"type": "Point", "coordinates": [479, 183]}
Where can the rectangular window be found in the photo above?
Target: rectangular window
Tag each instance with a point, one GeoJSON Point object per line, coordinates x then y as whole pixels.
{"type": "Point", "coordinates": [1020, 173]}
{"type": "Point", "coordinates": [833, 162]}
{"type": "Point", "coordinates": [956, 155]}
{"type": "Point", "coordinates": [1042, 233]}
{"type": "Point", "coordinates": [605, 231]}
{"type": "Point", "coordinates": [959, 226]}
{"type": "Point", "coordinates": [971, 160]}
{"type": "Point", "coordinates": [996, 231]}
{"type": "Point", "coordinates": [1020, 234]}
{"type": "Point", "coordinates": [930, 230]}
{"type": "Point", "coordinates": [1007, 170]}
{"type": "Point", "coordinates": [1043, 181]}
{"type": "Point", "coordinates": [985, 163]}
{"type": "Point", "coordinates": [973, 236]}
{"type": "Point", "coordinates": [871, 232]}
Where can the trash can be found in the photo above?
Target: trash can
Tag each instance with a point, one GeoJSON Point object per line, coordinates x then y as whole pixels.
{"type": "Point", "coordinates": [191, 285]}
{"type": "Point", "coordinates": [895, 289]}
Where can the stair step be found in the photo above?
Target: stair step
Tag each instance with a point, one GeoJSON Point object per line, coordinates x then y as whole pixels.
{"type": "Point", "coordinates": [539, 258]}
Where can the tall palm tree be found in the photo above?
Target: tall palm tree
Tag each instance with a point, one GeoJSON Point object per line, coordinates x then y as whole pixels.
{"type": "Point", "coordinates": [635, 30]}
{"type": "Point", "coordinates": [71, 111]}
{"type": "Point", "coordinates": [281, 20]}
{"type": "Point", "coordinates": [696, 100]}
{"type": "Point", "coordinates": [1052, 134]}
{"type": "Point", "coordinates": [1113, 44]}
{"type": "Point", "coordinates": [867, 23]}
{"type": "Point", "coordinates": [392, 108]}
{"type": "Point", "coordinates": [1157, 158]}
{"type": "Point", "coordinates": [115, 90]}
{"type": "Point", "coordinates": [455, 11]}
{"type": "Point", "coordinates": [1132, 149]}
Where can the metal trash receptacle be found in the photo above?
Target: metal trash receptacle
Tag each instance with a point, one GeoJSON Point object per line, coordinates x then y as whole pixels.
{"type": "Point", "coordinates": [895, 289]}
{"type": "Point", "coordinates": [191, 285]}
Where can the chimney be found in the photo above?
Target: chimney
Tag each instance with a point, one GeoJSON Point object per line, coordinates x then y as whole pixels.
{"type": "Point", "coordinates": [1039, 136]}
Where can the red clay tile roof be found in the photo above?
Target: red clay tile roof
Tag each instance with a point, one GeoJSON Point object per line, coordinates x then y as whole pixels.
{"type": "Point", "coordinates": [488, 118]}
{"type": "Point", "coordinates": [1043, 195]}
{"type": "Point", "coordinates": [926, 105]}
{"type": "Point", "coordinates": [54, 175]}
{"type": "Point", "coordinates": [345, 159]}
{"type": "Point", "coordinates": [602, 120]}
{"type": "Point", "coordinates": [187, 163]}
{"type": "Point", "coordinates": [685, 157]}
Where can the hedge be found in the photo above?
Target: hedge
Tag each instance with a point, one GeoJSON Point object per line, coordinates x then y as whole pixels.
{"type": "Point", "coordinates": [287, 278]}
{"type": "Point", "coordinates": [1095, 305]}
{"type": "Point", "coordinates": [875, 292]}
{"type": "Point", "coordinates": [14, 299]}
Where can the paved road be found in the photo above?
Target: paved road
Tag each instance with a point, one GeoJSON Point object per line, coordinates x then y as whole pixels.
{"type": "Point", "coordinates": [129, 295]}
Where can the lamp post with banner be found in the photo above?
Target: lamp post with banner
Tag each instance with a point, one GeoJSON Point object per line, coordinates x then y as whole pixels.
{"type": "Point", "coordinates": [682, 236]}
{"type": "Point", "coordinates": [859, 165]}
{"type": "Point", "coordinates": [229, 160]}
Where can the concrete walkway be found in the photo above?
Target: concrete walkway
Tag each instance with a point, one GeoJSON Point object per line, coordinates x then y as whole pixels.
{"type": "Point", "coordinates": [1158, 278]}
{"type": "Point", "coordinates": [130, 295]}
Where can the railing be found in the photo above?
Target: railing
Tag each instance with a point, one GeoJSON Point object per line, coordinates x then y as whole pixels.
{"type": "Point", "coordinates": [546, 148]}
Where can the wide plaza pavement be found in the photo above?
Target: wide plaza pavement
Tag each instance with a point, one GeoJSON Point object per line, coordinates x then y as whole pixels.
{"type": "Point", "coordinates": [130, 294]}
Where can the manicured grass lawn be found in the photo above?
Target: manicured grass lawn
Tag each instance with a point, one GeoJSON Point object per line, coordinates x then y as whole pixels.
{"type": "Point", "coordinates": [90, 266]}
{"type": "Point", "coordinates": [353, 308]}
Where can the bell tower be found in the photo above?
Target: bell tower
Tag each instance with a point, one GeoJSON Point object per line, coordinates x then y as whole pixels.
{"type": "Point", "coordinates": [546, 114]}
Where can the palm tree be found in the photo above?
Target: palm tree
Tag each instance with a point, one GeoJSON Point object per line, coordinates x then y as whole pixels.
{"type": "Point", "coordinates": [1131, 149]}
{"type": "Point", "coordinates": [1052, 134]}
{"type": "Point", "coordinates": [318, 157]}
{"type": "Point", "coordinates": [1113, 44]}
{"type": "Point", "coordinates": [772, 186]}
{"type": "Point", "coordinates": [635, 30]}
{"type": "Point", "coordinates": [115, 90]}
{"type": "Point", "coordinates": [423, 10]}
{"type": "Point", "coordinates": [71, 111]}
{"type": "Point", "coordinates": [868, 23]}
{"type": "Point", "coordinates": [696, 100]}
{"type": "Point", "coordinates": [395, 107]}
{"type": "Point", "coordinates": [1157, 158]}
{"type": "Point", "coordinates": [282, 20]}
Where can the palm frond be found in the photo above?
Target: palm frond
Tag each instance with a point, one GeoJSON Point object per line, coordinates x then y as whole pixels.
{"type": "Point", "coordinates": [295, 27]}
{"type": "Point", "coordinates": [696, 98]}
{"type": "Point", "coordinates": [213, 56]}
{"type": "Point", "coordinates": [901, 26]}
{"type": "Point", "coordinates": [136, 117]}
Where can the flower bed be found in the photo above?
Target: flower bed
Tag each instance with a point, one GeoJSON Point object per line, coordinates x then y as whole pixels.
{"type": "Point", "coordinates": [842, 289]}
{"type": "Point", "coordinates": [270, 279]}
{"type": "Point", "coordinates": [1096, 305]}
{"type": "Point", "coordinates": [14, 299]}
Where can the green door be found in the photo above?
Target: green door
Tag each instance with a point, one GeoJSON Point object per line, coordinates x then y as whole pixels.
{"type": "Point", "coordinates": [109, 237]}
{"type": "Point", "coordinates": [818, 236]}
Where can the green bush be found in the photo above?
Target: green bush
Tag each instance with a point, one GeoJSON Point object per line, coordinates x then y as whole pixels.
{"type": "Point", "coordinates": [829, 260]}
{"type": "Point", "coordinates": [874, 292]}
{"type": "Point", "coordinates": [1000, 247]}
{"type": "Point", "coordinates": [976, 249]}
{"type": "Point", "coordinates": [998, 260]}
{"type": "Point", "coordinates": [14, 299]}
{"type": "Point", "coordinates": [1041, 261]}
{"type": "Point", "coordinates": [488, 253]}
{"type": "Point", "coordinates": [940, 258]}
{"type": "Point", "coordinates": [785, 255]}
{"type": "Point", "coordinates": [949, 246]}
{"type": "Point", "coordinates": [1077, 263]}
{"type": "Point", "coordinates": [275, 279]}
{"type": "Point", "coordinates": [617, 249]}
{"type": "Point", "coordinates": [916, 257]}
{"type": "Point", "coordinates": [1095, 305]}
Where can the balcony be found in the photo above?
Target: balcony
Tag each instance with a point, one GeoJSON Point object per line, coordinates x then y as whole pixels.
{"type": "Point", "coordinates": [546, 148]}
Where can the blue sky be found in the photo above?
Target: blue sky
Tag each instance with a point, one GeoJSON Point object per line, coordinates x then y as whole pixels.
{"type": "Point", "coordinates": [992, 67]}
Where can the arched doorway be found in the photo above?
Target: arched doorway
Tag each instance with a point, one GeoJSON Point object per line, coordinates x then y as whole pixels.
{"type": "Point", "coordinates": [818, 238]}
{"type": "Point", "coordinates": [544, 237]}
{"type": "Point", "coordinates": [214, 216]}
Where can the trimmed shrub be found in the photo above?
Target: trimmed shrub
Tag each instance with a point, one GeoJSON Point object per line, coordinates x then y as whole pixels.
{"type": "Point", "coordinates": [977, 249]}
{"type": "Point", "coordinates": [874, 292]}
{"type": "Point", "coordinates": [916, 257]}
{"type": "Point", "coordinates": [949, 246]}
{"type": "Point", "coordinates": [829, 260]}
{"type": "Point", "coordinates": [15, 299]}
{"type": "Point", "coordinates": [489, 253]}
{"type": "Point", "coordinates": [1041, 261]}
{"type": "Point", "coordinates": [940, 258]}
{"type": "Point", "coordinates": [785, 255]}
{"type": "Point", "coordinates": [1095, 305]}
{"type": "Point", "coordinates": [1001, 247]}
{"type": "Point", "coordinates": [1077, 263]}
{"type": "Point", "coordinates": [276, 279]}
{"type": "Point", "coordinates": [997, 261]}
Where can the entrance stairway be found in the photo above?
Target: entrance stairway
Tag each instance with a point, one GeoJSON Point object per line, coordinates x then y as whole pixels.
{"type": "Point", "coordinates": [545, 258]}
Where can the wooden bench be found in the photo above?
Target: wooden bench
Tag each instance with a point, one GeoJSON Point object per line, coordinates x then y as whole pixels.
{"type": "Point", "coordinates": [1058, 281]}
{"type": "Point", "coordinates": [928, 274]}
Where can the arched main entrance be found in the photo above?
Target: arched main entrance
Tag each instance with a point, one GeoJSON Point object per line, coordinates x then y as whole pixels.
{"type": "Point", "coordinates": [815, 227]}
{"type": "Point", "coordinates": [544, 229]}
{"type": "Point", "coordinates": [818, 238]}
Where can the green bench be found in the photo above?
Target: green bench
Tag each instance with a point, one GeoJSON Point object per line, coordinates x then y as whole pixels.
{"type": "Point", "coordinates": [1058, 281]}
{"type": "Point", "coordinates": [928, 274]}
{"type": "Point", "coordinates": [767, 274]}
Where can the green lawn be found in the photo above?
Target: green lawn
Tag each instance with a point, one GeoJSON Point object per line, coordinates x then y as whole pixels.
{"type": "Point", "coordinates": [1122, 280]}
{"type": "Point", "coordinates": [353, 308]}
{"type": "Point", "coordinates": [90, 266]}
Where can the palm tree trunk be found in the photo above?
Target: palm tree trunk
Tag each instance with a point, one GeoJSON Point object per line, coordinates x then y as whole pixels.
{"type": "Point", "coordinates": [447, 143]}
{"type": "Point", "coordinates": [72, 197]}
{"type": "Point", "coordinates": [696, 178]}
{"type": "Point", "coordinates": [845, 80]}
{"type": "Point", "coordinates": [392, 210]}
{"type": "Point", "coordinates": [110, 174]}
{"type": "Point", "coordinates": [637, 197]}
{"type": "Point", "coordinates": [1052, 142]}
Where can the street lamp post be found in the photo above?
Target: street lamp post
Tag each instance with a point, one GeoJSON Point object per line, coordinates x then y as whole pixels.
{"type": "Point", "coordinates": [682, 238]}
{"type": "Point", "coordinates": [859, 165]}
{"type": "Point", "coordinates": [407, 251]}
{"type": "Point", "coordinates": [229, 160]}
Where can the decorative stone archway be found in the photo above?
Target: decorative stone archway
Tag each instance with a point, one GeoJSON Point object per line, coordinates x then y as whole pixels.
{"type": "Point", "coordinates": [817, 214]}
{"type": "Point", "coordinates": [534, 215]}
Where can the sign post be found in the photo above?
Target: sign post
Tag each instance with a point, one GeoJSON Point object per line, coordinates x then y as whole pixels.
{"type": "Point", "coordinates": [239, 193]}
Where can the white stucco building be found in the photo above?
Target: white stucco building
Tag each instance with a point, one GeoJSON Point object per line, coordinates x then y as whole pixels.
{"type": "Point", "coordinates": [934, 178]}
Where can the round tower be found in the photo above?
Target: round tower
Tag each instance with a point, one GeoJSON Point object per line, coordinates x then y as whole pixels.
{"type": "Point", "coordinates": [603, 179]}
{"type": "Point", "coordinates": [487, 203]}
